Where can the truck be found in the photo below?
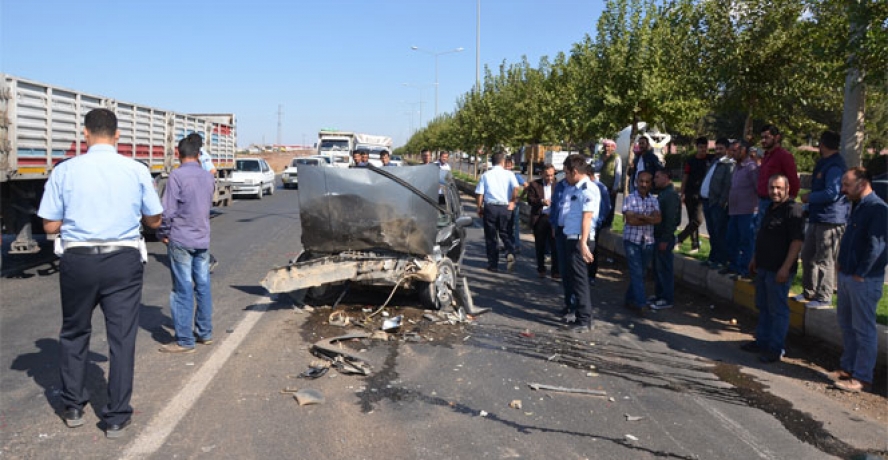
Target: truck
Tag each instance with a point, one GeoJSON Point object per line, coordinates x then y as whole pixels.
{"type": "Point", "coordinates": [42, 125]}
{"type": "Point", "coordinates": [339, 145]}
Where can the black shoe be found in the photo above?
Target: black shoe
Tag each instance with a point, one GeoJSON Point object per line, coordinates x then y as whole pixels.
{"type": "Point", "coordinates": [726, 271]}
{"type": "Point", "coordinates": [73, 417]}
{"type": "Point", "coordinates": [751, 347]}
{"type": "Point", "coordinates": [770, 357]}
{"type": "Point", "coordinates": [492, 269]}
{"type": "Point", "coordinates": [116, 431]}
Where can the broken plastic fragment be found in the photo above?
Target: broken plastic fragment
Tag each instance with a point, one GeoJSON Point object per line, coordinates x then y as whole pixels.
{"type": "Point", "coordinates": [515, 404]}
{"type": "Point", "coordinates": [631, 438]}
{"type": "Point", "coordinates": [633, 418]}
{"type": "Point", "coordinates": [483, 413]}
{"type": "Point", "coordinates": [309, 396]}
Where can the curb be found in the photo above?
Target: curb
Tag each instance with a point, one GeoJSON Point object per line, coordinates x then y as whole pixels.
{"type": "Point", "coordinates": [817, 322]}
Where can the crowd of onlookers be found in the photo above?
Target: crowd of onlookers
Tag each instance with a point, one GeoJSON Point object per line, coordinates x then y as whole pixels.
{"type": "Point", "coordinates": [760, 228]}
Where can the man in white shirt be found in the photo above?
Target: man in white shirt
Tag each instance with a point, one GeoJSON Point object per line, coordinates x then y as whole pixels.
{"type": "Point", "coordinates": [496, 197]}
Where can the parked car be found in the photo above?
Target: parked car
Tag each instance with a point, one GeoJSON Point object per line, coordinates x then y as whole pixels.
{"type": "Point", "coordinates": [290, 176]}
{"type": "Point", "coordinates": [397, 160]}
{"type": "Point", "coordinates": [252, 176]}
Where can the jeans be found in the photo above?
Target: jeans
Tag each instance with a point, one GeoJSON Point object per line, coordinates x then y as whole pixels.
{"type": "Point", "coordinates": [741, 242]}
{"type": "Point", "coordinates": [639, 258]}
{"type": "Point", "coordinates": [856, 314]}
{"type": "Point", "coordinates": [190, 269]}
{"type": "Point", "coordinates": [819, 253]}
{"type": "Point", "coordinates": [664, 274]}
{"type": "Point", "coordinates": [717, 226]}
{"type": "Point", "coordinates": [772, 301]}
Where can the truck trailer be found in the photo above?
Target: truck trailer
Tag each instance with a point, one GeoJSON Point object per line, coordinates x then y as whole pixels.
{"type": "Point", "coordinates": [42, 125]}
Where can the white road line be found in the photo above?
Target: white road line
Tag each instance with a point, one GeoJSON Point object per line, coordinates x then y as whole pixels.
{"type": "Point", "coordinates": [156, 432]}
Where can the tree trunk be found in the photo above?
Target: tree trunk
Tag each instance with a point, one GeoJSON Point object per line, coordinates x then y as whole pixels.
{"type": "Point", "coordinates": [631, 156]}
{"type": "Point", "coordinates": [855, 92]}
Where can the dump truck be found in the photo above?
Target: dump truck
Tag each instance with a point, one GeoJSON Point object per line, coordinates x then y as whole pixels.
{"type": "Point", "coordinates": [42, 125]}
{"type": "Point", "coordinates": [380, 227]}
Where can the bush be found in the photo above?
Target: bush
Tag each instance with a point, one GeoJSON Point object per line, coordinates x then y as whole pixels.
{"type": "Point", "coordinates": [805, 159]}
{"type": "Point", "coordinates": [675, 161]}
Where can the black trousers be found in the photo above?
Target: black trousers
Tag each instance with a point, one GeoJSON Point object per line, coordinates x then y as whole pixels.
{"type": "Point", "coordinates": [694, 206]}
{"type": "Point", "coordinates": [578, 272]}
{"type": "Point", "coordinates": [543, 238]}
{"type": "Point", "coordinates": [496, 223]}
{"type": "Point", "coordinates": [114, 281]}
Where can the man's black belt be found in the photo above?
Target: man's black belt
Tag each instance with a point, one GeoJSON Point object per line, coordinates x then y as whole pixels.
{"type": "Point", "coordinates": [96, 249]}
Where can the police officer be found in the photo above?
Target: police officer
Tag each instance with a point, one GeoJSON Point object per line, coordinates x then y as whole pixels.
{"type": "Point", "coordinates": [581, 202]}
{"type": "Point", "coordinates": [96, 201]}
{"type": "Point", "coordinates": [496, 197]}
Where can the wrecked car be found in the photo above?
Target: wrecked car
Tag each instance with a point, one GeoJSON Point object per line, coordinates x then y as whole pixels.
{"type": "Point", "coordinates": [383, 227]}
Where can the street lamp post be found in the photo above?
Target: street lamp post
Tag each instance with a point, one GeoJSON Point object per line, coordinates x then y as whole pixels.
{"type": "Point", "coordinates": [436, 54]}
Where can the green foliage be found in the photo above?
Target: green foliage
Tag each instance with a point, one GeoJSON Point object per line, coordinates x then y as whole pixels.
{"type": "Point", "coordinates": [805, 159]}
{"type": "Point", "coordinates": [690, 67]}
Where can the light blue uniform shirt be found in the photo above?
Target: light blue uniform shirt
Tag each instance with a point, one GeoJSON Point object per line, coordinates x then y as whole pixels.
{"type": "Point", "coordinates": [206, 161]}
{"type": "Point", "coordinates": [580, 198]}
{"type": "Point", "coordinates": [496, 185]}
{"type": "Point", "coordinates": [99, 196]}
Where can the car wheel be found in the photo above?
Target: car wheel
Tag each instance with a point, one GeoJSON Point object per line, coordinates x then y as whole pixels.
{"type": "Point", "coordinates": [271, 189]}
{"type": "Point", "coordinates": [439, 293]}
{"type": "Point", "coordinates": [260, 193]}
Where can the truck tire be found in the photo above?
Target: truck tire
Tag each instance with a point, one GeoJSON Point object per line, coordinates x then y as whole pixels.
{"type": "Point", "coordinates": [438, 295]}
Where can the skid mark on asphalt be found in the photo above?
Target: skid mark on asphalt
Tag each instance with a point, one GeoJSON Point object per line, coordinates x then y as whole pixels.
{"type": "Point", "coordinates": [159, 428]}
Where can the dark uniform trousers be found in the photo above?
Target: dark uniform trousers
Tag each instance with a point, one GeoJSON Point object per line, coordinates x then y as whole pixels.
{"type": "Point", "coordinates": [578, 272]}
{"type": "Point", "coordinates": [496, 222]}
{"type": "Point", "coordinates": [114, 281]}
{"type": "Point", "coordinates": [542, 239]}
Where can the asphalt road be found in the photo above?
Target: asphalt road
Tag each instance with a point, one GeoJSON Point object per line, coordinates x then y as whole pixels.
{"type": "Point", "coordinates": [447, 398]}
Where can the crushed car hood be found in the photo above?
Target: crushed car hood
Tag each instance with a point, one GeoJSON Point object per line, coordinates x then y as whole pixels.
{"type": "Point", "coordinates": [357, 209]}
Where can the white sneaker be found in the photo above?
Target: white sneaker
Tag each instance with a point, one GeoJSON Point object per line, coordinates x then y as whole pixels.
{"type": "Point", "coordinates": [510, 262]}
{"type": "Point", "coordinates": [660, 305]}
{"type": "Point", "coordinates": [800, 298]}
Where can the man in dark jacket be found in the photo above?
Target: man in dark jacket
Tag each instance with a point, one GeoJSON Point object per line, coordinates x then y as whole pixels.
{"type": "Point", "coordinates": [695, 168]}
{"type": "Point", "coordinates": [645, 159]}
{"type": "Point", "coordinates": [863, 255]}
{"type": "Point", "coordinates": [827, 216]}
{"type": "Point", "coordinates": [539, 197]}
{"type": "Point", "coordinates": [664, 237]}
{"type": "Point", "coordinates": [714, 192]}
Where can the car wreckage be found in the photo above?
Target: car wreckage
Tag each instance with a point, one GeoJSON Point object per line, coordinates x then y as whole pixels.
{"type": "Point", "coordinates": [400, 227]}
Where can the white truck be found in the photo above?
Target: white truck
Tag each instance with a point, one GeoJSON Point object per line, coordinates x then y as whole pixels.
{"type": "Point", "coordinates": [42, 125]}
{"type": "Point", "coordinates": [339, 145]}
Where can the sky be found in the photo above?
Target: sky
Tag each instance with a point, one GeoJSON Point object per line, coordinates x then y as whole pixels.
{"type": "Point", "coordinates": [339, 64]}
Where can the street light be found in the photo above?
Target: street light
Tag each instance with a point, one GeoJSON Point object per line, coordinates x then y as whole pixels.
{"type": "Point", "coordinates": [436, 54]}
{"type": "Point", "coordinates": [419, 87]}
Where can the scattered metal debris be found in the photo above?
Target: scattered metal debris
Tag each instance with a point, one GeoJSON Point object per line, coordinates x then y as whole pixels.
{"type": "Point", "coordinates": [633, 418]}
{"type": "Point", "coordinates": [540, 386]}
{"type": "Point", "coordinates": [392, 324]}
{"type": "Point", "coordinates": [344, 361]}
{"type": "Point", "coordinates": [629, 437]}
{"type": "Point", "coordinates": [317, 368]}
{"type": "Point", "coordinates": [338, 318]}
{"type": "Point", "coordinates": [289, 390]}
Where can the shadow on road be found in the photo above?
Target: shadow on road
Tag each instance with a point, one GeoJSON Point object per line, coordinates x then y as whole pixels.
{"type": "Point", "coordinates": [43, 367]}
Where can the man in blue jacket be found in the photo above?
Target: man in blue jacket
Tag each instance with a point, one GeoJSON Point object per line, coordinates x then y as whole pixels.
{"type": "Point", "coordinates": [862, 258]}
{"type": "Point", "coordinates": [827, 215]}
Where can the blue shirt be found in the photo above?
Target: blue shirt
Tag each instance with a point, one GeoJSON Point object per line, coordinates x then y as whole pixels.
{"type": "Point", "coordinates": [864, 250]}
{"type": "Point", "coordinates": [497, 185]}
{"type": "Point", "coordinates": [206, 161]}
{"type": "Point", "coordinates": [186, 207]}
{"type": "Point", "coordinates": [579, 199]}
{"type": "Point", "coordinates": [557, 194]}
{"type": "Point", "coordinates": [99, 196]}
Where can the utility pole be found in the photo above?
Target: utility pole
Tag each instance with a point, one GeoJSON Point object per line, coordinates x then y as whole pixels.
{"type": "Point", "coordinates": [280, 116]}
